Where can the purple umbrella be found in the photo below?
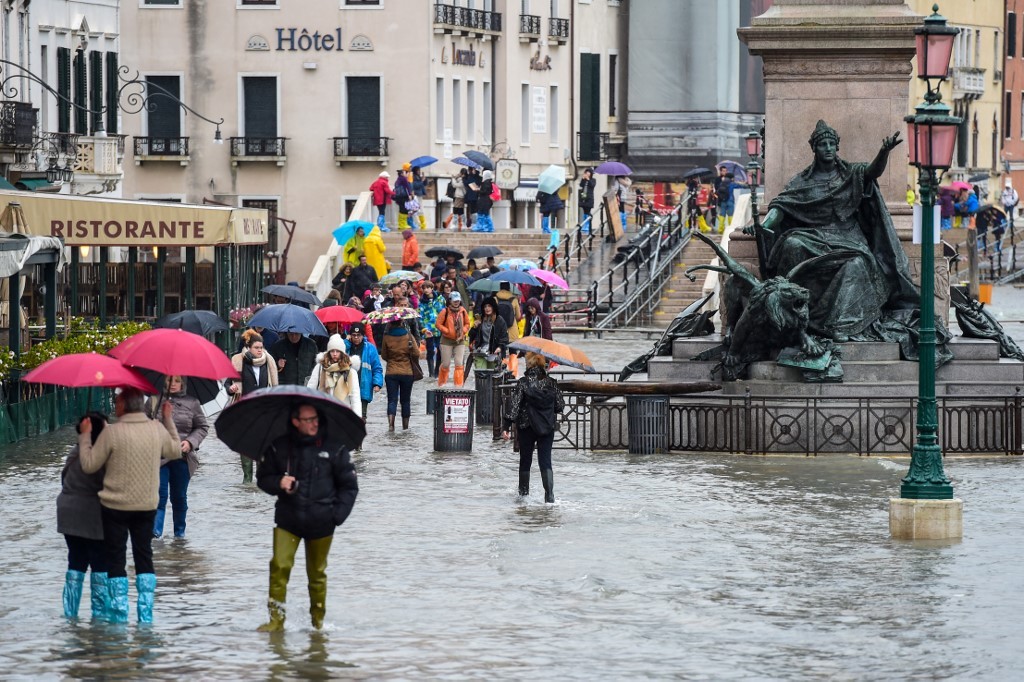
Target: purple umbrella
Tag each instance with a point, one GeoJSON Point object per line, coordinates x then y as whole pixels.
{"type": "Point", "coordinates": [613, 168]}
{"type": "Point", "coordinates": [738, 172]}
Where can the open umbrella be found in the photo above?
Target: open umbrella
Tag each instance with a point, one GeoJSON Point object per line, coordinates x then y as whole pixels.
{"type": "Point", "coordinates": [399, 275]}
{"type": "Point", "coordinates": [203, 390]}
{"type": "Point", "coordinates": [344, 233]}
{"type": "Point", "coordinates": [249, 425]}
{"type": "Point", "coordinates": [340, 313]}
{"type": "Point", "coordinates": [551, 278]}
{"type": "Point", "coordinates": [175, 351]}
{"type": "Point", "coordinates": [738, 171]}
{"type": "Point", "coordinates": [515, 277]}
{"type": "Point", "coordinates": [556, 352]}
{"type": "Point", "coordinates": [480, 159]}
{"type": "Point", "coordinates": [613, 168]}
{"type": "Point", "coordinates": [484, 252]}
{"type": "Point", "coordinates": [523, 264]}
{"type": "Point", "coordinates": [285, 317]}
{"type": "Point", "coordinates": [422, 161]}
{"type": "Point", "coordinates": [392, 314]}
{"type": "Point", "coordinates": [959, 185]}
{"type": "Point", "coordinates": [551, 179]}
{"type": "Point", "coordinates": [202, 322]}
{"type": "Point", "coordinates": [468, 163]}
{"type": "Point", "coordinates": [443, 252]}
{"type": "Point", "coordinates": [485, 285]}
{"type": "Point", "coordinates": [697, 172]}
{"type": "Point", "coordinates": [292, 293]}
{"type": "Point", "coordinates": [88, 370]}
{"type": "Point", "coordinates": [980, 177]}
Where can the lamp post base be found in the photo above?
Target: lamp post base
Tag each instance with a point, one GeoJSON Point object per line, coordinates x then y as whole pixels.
{"type": "Point", "coordinates": [926, 519]}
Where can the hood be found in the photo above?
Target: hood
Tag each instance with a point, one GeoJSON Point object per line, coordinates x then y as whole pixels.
{"type": "Point", "coordinates": [535, 302]}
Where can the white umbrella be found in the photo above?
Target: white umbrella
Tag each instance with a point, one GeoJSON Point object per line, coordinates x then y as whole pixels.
{"type": "Point", "coordinates": [551, 179]}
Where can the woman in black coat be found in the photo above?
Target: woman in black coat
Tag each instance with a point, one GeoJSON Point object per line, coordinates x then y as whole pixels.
{"type": "Point", "coordinates": [536, 406]}
{"type": "Point", "coordinates": [490, 334]}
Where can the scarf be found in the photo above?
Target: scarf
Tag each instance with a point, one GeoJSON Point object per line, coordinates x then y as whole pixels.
{"type": "Point", "coordinates": [258, 362]}
{"type": "Point", "coordinates": [458, 324]}
{"type": "Point", "coordinates": [334, 379]}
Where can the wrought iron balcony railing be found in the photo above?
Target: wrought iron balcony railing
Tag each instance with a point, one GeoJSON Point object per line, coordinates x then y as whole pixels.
{"type": "Point", "coordinates": [161, 146]}
{"type": "Point", "coordinates": [529, 25]}
{"type": "Point", "coordinates": [558, 29]}
{"type": "Point", "coordinates": [242, 147]}
{"type": "Point", "coordinates": [17, 124]}
{"type": "Point", "coordinates": [456, 17]}
{"type": "Point", "coordinates": [591, 146]}
{"type": "Point", "coordinates": [353, 147]}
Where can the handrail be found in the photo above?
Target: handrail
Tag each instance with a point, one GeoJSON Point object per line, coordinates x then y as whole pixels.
{"type": "Point", "coordinates": [319, 280]}
{"type": "Point", "coordinates": [577, 244]}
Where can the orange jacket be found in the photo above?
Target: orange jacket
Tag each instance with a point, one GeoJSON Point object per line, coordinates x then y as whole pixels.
{"type": "Point", "coordinates": [446, 324]}
{"type": "Point", "coordinates": [410, 252]}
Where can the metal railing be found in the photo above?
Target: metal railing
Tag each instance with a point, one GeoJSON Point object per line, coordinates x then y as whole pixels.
{"type": "Point", "coordinates": [258, 146]}
{"type": "Point", "coordinates": [464, 17]}
{"type": "Point", "coordinates": [361, 146]}
{"type": "Point", "coordinates": [529, 24]}
{"type": "Point", "coordinates": [327, 264]}
{"type": "Point", "coordinates": [591, 146]}
{"type": "Point", "coordinates": [558, 28]}
{"type": "Point", "coordinates": [637, 294]}
{"type": "Point", "coordinates": [161, 146]}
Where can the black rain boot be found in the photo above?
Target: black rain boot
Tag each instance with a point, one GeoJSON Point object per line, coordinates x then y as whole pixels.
{"type": "Point", "coordinates": [405, 423]}
{"type": "Point", "coordinates": [391, 422]}
{"type": "Point", "coordinates": [548, 478]}
{"type": "Point", "coordinates": [524, 483]}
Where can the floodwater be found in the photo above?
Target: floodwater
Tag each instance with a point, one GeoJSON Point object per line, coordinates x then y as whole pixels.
{"type": "Point", "coordinates": [680, 566]}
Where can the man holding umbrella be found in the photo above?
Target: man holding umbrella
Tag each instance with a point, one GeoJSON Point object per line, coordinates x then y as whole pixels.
{"type": "Point", "coordinates": [316, 487]}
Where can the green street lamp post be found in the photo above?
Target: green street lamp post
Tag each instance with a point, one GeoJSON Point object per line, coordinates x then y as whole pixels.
{"type": "Point", "coordinates": [931, 137]}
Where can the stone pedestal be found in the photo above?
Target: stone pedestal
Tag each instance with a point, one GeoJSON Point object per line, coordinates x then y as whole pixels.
{"type": "Point", "coordinates": [926, 519]}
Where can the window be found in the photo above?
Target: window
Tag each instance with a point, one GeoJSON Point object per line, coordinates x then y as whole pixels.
{"type": "Point", "coordinates": [1021, 118]}
{"type": "Point", "coordinates": [553, 116]}
{"type": "Point", "coordinates": [1011, 34]}
{"type": "Point", "coordinates": [554, 9]}
{"type": "Point", "coordinates": [259, 98]}
{"type": "Point", "coordinates": [164, 120]}
{"type": "Point", "coordinates": [470, 111]}
{"type": "Point", "coordinates": [487, 113]}
{"type": "Point", "coordinates": [257, 3]}
{"type": "Point", "coordinates": [64, 89]}
{"type": "Point", "coordinates": [439, 109]}
{"type": "Point", "coordinates": [613, 72]}
{"type": "Point", "coordinates": [1008, 116]}
{"type": "Point", "coordinates": [157, 3]}
{"type": "Point", "coordinates": [525, 114]}
{"type": "Point", "coordinates": [44, 72]}
{"type": "Point", "coordinates": [456, 110]}
{"type": "Point", "coordinates": [361, 3]}
{"type": "Point", "coordinates": [363, 109]}
{"type": "Point", "coordinates": [977, 48]}
{"type": "Point", "coordinates": [271, 206]}
{"type": "Point", "coordinates": [974, 141]}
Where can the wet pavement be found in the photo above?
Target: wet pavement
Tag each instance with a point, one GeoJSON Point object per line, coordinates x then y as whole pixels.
{"type": "Point", "coordinates": [679, 566]}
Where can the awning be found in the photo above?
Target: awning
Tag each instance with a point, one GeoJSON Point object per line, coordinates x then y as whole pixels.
{"type": "Point", "coordinates": [34, 185]}
{"type": "Point", "coordinates": [4, 184]}
{"type": "Point", "coordinates": [526, 191]}
{"type": "Point", "coordinates": [95, 221]}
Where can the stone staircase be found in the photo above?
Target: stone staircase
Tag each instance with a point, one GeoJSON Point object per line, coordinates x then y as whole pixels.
{"type": "Point", "coordinates": [680, 291]}
{"type": "Point", "coordinates": [529, 244]}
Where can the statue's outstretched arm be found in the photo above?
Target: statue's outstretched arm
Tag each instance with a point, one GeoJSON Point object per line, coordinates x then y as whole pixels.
{"type": "Point", "coordinates": [771, 221]}
{"type": "Point", "coordinates": [877, 166]}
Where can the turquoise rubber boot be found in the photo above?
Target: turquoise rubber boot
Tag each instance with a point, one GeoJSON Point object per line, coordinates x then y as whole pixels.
{"type": "Point", "coordinates": [73, 581]}
{"type": "Point", "coordinates": [99, 594]}
{"type": "Point", "coordinates": [117, 600]}
{"type": "Point", "coordinates": [145, 583]}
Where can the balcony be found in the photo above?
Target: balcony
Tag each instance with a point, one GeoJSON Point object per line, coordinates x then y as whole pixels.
{"type": "Point", "coordinates": [529, 28]}
{"type": "Point", "coordinates": [161, 149]}
{"type": "Point", "coordinates": [361, 149]}
{"type": "Point", "coordinates": [97, 163]}
{"type": "Point", "coordinates": [558, 31]}
{"type": "Point", "coordinates": [591, 147]}
{"type": "Point", "coordinates": [968, 82]}
{"type": "Point", "coordinates": [258, 149]}
{"type": "Point", "coordinates": [17, 125]}
{"type": "Point", "coordinates": [463, 20]}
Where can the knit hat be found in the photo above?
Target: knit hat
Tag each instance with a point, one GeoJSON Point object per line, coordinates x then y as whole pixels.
{"type": "Point", "coordinates": [407, 233]}
{"type": "Point", "coordinates": [357, 328]}
{"type": "Point", "coordinates": [456, 296]}
{"type": "Point", "coordinates": [384, 174]}
{"type": "Point", "coordinates": [335, 343]}
{"type": "Point", "coordinates": [487, 175]}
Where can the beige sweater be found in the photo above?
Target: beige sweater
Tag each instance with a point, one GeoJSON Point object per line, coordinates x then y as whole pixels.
{"type": "Point", "coordinates": [131, 450]}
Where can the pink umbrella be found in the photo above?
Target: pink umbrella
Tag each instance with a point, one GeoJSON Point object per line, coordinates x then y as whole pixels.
{"type": "Point", "coordinates": [551, 278]}
{"type": "Point", "coordinates": [85, 370]}
{"type": "Point", "coordinates": [959, 185]}
{"type": "Point", "coordinates": [175, 351]}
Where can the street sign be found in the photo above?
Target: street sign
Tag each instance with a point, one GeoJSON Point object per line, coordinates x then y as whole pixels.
{"type": "Point", "coordinates": [506, 174]}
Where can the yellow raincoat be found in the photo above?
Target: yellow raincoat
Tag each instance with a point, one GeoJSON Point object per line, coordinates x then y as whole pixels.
{"type": "Point", "coordinates": [354, 249]}
{"type": "Point", "coordinates": [373, 249]}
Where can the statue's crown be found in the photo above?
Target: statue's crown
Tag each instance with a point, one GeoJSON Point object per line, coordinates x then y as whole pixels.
{"type": "Point", "coordinates": [823, 130]}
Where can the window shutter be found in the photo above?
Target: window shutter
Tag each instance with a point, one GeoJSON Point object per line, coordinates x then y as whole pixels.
{"type": "Point", "coordinates": [363, 116]}
{"type": "Point", "coordinates": [64, 88]}
{"type": "Point", "coordinates": [96, 89]}
{"type": "Point", "coordinates": [81, 83]}
{"type": "Point", "coordinates": [260, 99]}
{"type": "Point", "coordinates": [165, 117]}
{"type": "Point", "coordinates": [112, 103]}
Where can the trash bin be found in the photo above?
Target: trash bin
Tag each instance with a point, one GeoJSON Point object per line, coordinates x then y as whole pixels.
{"type": "Point", "coordinates": [485, 380]}
{"type": "Point", "coordinates": [453, 420]}
{"type": "Point", "coordinates": [430, 400]}
{"type": "Point", "coordinates": [647, 418]}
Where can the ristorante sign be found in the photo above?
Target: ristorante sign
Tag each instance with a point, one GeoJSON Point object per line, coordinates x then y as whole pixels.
{"type": "Point", "coordinates": [85, 221]}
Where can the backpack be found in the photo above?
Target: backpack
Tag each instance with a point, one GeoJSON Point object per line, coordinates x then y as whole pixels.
{"type": "Point", "coordinates": [450, 191]}
{"type": "Point", "coordinates": [495, 193]}
{"type": "Point", "coordinates": [540, 408]}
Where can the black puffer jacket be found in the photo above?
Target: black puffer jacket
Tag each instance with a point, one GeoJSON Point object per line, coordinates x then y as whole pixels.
{"type": "Point", "coordinates": [327, 485]}
{"type": "Point", "coordinates": [534, 377]}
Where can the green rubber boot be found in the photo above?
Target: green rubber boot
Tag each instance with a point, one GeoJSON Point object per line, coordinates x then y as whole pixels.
{"type": "Point", "coordinates": [316, 572]}
{"type": "Point", "coordinates": [281, 565]}
{"type": "Point", "coordinates": [246, 469]}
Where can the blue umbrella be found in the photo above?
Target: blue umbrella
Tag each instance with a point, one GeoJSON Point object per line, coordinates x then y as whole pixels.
{"type": "Point", "coordinates": [517, 264]}
{"type": "Point", "coordinates": [463, 161]}
{"type": "Point", "coordinates": [343, 235]}
{"type": "Point", "coordinates": [285, 317]}
{"type": "Point", "coordinates": [613, 168]}
{"type": "Point", "coordinates": [481, 159]}
{"type": "Point", "coordinates": [422, 161]}
{"type": "Point", "coordinates": [513, 276]}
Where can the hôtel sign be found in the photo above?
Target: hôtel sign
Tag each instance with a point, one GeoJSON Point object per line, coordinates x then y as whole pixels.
{"type": "Point", "coordinates": [301, 40]}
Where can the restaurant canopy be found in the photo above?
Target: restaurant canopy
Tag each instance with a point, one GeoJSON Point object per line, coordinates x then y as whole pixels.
{"type": "Point", "coordinates": [95, 221]}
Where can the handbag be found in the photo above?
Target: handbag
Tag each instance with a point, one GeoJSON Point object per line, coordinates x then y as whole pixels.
{"type": "Point", "coordinates": [417, 370]}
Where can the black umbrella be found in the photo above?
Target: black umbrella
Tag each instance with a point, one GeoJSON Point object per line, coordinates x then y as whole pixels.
{"type": "Point", "coordinates": [201, 322]}
{"type": "Point", "coordinates": [285, 317]}
{"type": "Point", "coordinates": [292, 293]}
{"type": "Point", "coordinates": [443, 252]}
{"type": "Point", "coordinates": [254, 422]}
{"type": "Point", "coordinates": [978, 178]}
{"type": "Point", "coordinates": [203, 390]}
{"type": "Point", "coordinates": [485, 252]}
{"type": "Point", "coordinates": [697, 172]}
{"type": "Point", "coordinates": [480, 158]}
{"type": "Point", "coordinates": [992, 207]}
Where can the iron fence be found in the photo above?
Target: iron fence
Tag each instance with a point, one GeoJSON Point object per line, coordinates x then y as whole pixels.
{"type": "Point", "coordinates": [558, 28]}
{"type": "Point", "coordinates": [529, 24]}
{"type": "Point", "coordinates": [161, 146]}
{"type": "Point", "coordinates": [361, 146]}
{"type": "Point", "coordinates": [464, 17]}
{"type": "Point", "coordinates": [258, 146]}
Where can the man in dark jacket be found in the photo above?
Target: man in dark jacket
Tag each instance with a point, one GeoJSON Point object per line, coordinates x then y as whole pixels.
{"type": "Point", "coordinates": [295, 355]}
{"type": "Point", "coordinates": [586, 198]}
{"type": "Point", "coordinates": [362, 278]}
{"type": "Point", "coordinates": [316, 487]}
{"type": "Point", "coordinates": [472, 179]}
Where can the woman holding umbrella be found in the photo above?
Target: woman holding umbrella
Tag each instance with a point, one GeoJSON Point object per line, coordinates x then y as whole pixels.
{"type": "Point", "coordinates": [189, 419]}
{"type": "Point", "coordinates": [399, 350]}
{"type": "Point", "coordinates": [458, 195]}
{"type": "Point", "coordinates": [536, 405]}
{"type": "Point", "coordinates": [484, 203]}
{"type": "Point", "coordinates": [258, 370]}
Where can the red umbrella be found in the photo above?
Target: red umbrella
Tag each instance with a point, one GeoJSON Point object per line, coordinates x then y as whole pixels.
{"type": "Point", "coordinates": [340, 313]}
{"type": "Point", "coordinates": [87, 370]}
{"type": "Point", "coordinates": [175, 351]}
